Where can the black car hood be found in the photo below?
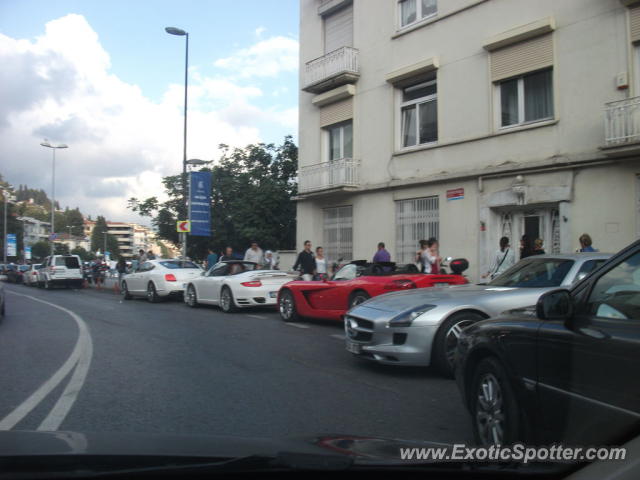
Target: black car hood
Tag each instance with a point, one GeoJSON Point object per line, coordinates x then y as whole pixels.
{"type": "Point", "coordinates": [31, 443]}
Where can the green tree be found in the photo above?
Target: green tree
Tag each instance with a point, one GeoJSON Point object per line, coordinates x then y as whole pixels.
{"type": "Point", "coordinates": [74, 218]}
{"type": "Point", "coordinates": [252, 191]}
{"type": "Point", "coordinates": [98, 240]}
{"type": "Point", "coordinates": [82, 253]}
{"type": "Point", "coordinates": [40, 249]}
{"type": "Point", "coordinates": [61, 249]}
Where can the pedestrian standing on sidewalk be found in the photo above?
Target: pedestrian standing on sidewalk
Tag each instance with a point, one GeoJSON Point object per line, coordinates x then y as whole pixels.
{"type": "Point", "coordinates": [586, 244]}
{"type": "Point", "coordinates": [121, 268]}
{"type": "Point", "coordinates": [270, 261]}
{"type": "Point", "coordinates": [322, 265]}
{"type": "Point", "coordinates": [151, 255]}
{"type": "Point", "coordinates": [504, 259]}
{"type": "Point", "coordinates": [228, 254]}
{"type": "Point", "coordinates": [142, 257]}
{"type": "Point", "coordinates": [254, 254]}
{"type": "Point", "coordinates": [98, 271]}
{"type": "Point", "coordinates": [305, 263]}
{"type": "Point", "coordinates": [382, 255]}
{"type": "Point", "coordinates": [526, 247]}
{"type": "Point", "coordinates": [537, 247]}
{"type": "Point", "coordinates": [212, 259]}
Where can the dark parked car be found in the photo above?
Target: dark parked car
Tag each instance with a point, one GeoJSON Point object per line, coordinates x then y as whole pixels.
{"type": "Point", "coordinates": [15, 272]}
{"type": "Point", "coordinates": [566, 371]}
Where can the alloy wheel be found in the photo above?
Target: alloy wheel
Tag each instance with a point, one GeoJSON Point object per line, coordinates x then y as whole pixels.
{"type": "Point", "coordinates": [191, 296]}
{"type": "Point", "coordinates": [490, 416]}
{"type": "Point", "coordinates": [286, 306]}
{"type": "Point", "coordinates": [451, 339]}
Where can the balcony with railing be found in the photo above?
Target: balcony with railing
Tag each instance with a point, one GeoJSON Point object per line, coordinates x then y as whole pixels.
{"type": "Point", "coordinates": [334, 175]}
{"type": "Point", "coordinates": [331, 70]}
{"type": "Point", "coordinates": [622, 124]}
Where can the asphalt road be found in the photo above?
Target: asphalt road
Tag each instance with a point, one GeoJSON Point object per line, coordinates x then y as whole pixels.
{"type": "Point", "coordinates": [165, 368]}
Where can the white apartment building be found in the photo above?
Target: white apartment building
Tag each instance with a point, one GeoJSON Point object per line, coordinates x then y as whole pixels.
{"type": "Point", "coordinates": [468, 120]}
{"type": "Point", "coordinates": [34, 230]}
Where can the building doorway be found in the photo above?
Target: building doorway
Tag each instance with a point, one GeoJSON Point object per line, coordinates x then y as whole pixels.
{"type": "Point", "coordinates": [540, 223]}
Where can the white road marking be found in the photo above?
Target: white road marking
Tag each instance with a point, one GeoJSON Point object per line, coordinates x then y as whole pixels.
{"type": "Point", "coordinates": [80, 358]}
{"type": "Point", "coordinates": [259, 317]}
{"type": "Point", "coordinates": [299, 325]}
{"type": "Point", "coordinates": [338, 336]}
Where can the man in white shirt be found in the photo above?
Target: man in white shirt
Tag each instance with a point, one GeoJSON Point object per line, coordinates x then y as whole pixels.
{"type": "Point", "coordinates": [254, 254]}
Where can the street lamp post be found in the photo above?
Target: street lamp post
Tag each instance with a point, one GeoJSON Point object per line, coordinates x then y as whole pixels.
{"type": "Point", "coordinates": [182, 33]}
{"type": "Point", "coordinates": [53, 188]}
{"type": "Point", "coordinates": [5, 197]}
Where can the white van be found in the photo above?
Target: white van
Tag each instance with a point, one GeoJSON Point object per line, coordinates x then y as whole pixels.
{"type": "Point", "coordinates": [61, 270]}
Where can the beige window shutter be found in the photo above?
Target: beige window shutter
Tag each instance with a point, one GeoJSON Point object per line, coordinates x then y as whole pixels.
{"type": "Point", "coordinates": [522, 57]}
{"type": "Point", "coordinates": [634, 22]}
{"type": "Point", "coordinates": [336, 112]}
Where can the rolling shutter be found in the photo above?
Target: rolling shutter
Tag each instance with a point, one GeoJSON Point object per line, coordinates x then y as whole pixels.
{"type": "Point", "coordinates": [336, 112]}
{"type": "Point", "coordinates": [634, 21]}
{"type": "Point", "coordinates": [523, 57]}
{"type": "Point", "coordinates": [338, 29]}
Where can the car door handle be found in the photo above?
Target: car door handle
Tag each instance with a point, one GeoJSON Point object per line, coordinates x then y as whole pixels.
{"type": "Point", "coordinates": [594, 333]}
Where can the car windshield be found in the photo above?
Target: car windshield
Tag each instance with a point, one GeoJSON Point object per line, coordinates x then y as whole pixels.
{"type": "Point", "coordinates": [176, 264]}
{"type": "Point", "coordinates": [68, 262]}
{"type": "Point", "coordinates": [240, 267]}
{"type": "Point", "coordinates": [535, 273]}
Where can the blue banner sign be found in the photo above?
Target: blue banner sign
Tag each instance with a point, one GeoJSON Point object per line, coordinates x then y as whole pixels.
{"type": "Point", "coordinates": [12, 245]}
{"type": "Point", "coordinates": [200, 203]}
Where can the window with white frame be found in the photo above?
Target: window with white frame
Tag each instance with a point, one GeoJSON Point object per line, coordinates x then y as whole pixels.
{"type": "Point", "coordinates": [412, 11]}
{"type": "Point", "coordinates": [527, 98]}
{"type": "Point", "coordinates": [419, 113]}
{"type": "Point", "coordinates": [340, 140]}
{"type": "Point", "coordinates": [416, 219]}
{"type": "Point", "coordinates": [338, 233]}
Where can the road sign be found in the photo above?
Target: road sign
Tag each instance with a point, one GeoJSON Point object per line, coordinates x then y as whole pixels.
{"type": "Point", "coordinates": [455, 194]}
{"type": "Point", "coordinates": [53, 236]}
{"type": "Point", "coordinates": [183, 226]}
{"type": "Point", "coordinates": [12, 245]}
{"type": "Point", "coordinates": [27, 253]}
{"type": "Point", "coordinates": [200, 203]}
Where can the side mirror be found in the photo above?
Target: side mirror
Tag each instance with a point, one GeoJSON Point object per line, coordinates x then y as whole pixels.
{"type": "Point", "coordinates": [555, 305]}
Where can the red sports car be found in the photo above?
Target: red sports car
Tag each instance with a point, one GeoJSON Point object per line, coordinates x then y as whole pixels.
{"type": "Point", "coordinates": [354, 283]}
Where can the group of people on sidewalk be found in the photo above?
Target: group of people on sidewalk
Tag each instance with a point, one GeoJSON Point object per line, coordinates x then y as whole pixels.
{"type": "Point", "coordinates": [264, 259]}
{"type": "Point", "coordinates": [505, 257]}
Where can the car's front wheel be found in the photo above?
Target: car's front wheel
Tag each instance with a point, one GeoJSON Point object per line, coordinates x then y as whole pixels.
{"type": "Point", "coordinates": [287, 307]}
{"type": "Point", "coordinates": [125, 291]}
{"type": "Point", "coordinates": [191, 297]}
{"type": "Point", "coordinates": [358, 297]}
{"type": "Point", "coordinates": [227, 303]}
{"type": "Point", "coordinates": [152, 293]}
{"type": "Point", "coordinates": [493, 405]}
{"type": "Point", "coordinates": [446, 341]}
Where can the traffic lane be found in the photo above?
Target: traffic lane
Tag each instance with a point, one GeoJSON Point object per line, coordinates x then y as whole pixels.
{"type": "Point", "coordinates": [35, 340]}
{"type": "Point", "coordinates": [168, 368]}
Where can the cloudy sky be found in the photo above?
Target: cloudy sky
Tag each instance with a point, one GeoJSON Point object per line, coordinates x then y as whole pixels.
{"type": "Point", "coordinates": [104, 78]}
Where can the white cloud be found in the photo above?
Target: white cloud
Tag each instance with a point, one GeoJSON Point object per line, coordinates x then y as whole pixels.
{"type": "Point", "coordinates": [259, 31]}
{"type": "Point", "coordinates": [120, 142]}
{"type": "Point", "coordinates": [267, 58]}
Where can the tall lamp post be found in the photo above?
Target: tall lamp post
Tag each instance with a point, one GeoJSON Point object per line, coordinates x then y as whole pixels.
{"type": "Point", "coordinates": [6, 197]}
{"type": "Point", "coordinates": [53, 188]}
{"type": "Point", "coordinates": [181, 33]}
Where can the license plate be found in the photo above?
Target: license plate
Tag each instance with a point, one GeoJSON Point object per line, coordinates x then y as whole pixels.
{"type": "Point", "coordinates": [273, 294]}
{"type": "Point", "coordinates": [354, 347]}
{"type": "Point", "coordinates": [441, 284]}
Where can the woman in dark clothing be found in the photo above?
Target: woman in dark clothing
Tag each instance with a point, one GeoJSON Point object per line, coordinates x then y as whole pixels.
{"type": "Point", "coordinates": [526, 247]}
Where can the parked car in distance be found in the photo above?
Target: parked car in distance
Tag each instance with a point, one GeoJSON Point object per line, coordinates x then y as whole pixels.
{"type": "Point", "coordinates": [158, 279]}
{"type": "Point", "coordinates": [565, 371]}
{"type": "Point", "coordinates": [60, 270]}
{"type": "Point", "coordinates": [421, 327]}
{"type": "Point", "coordinates": [15, 273]}
{"type": "Point", "coordinates": [355, 283]}
{"type": "Point", "coordinates": [235, 284]}
{"type": "Point", "coordinates": [30, 277]}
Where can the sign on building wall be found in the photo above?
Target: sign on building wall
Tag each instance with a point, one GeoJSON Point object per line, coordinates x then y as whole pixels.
{"type": "Point", "coordinates": [200, 203]}
{"type": "Point", "coordinates": [12, 245]}
{"type": "Point", "coordinates": [455, 194]}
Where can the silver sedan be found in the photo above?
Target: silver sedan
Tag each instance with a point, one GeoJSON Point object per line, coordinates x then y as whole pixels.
{"type": "Point", "coordinates": [421, 327]}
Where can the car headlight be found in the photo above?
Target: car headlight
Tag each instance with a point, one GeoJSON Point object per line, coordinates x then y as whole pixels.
{"type": "Point", "coordinates": [405, 319]}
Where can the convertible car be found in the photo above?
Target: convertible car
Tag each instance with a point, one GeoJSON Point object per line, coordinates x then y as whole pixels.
{"type": "Point", "coordinates": [354, 283]}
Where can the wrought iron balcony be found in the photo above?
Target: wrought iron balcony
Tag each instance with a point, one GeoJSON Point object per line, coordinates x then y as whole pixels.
{"type": "Point", "coordinates": [331, 70]}
{"type": "Point", "coordinates": [622, 122]}
{"type": "Point", "coordinates": [336, 174]}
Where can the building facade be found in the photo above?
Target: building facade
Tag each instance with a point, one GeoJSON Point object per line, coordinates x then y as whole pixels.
{"type": "Point", "coordinates": [34, 230]}
{"type": "Point", "coordinates": [468, 120]}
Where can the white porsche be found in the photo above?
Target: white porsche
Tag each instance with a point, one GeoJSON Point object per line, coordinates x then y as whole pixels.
{"type": "Point", "coordinates": [235, 284]}
{"type": "Point", "coordinates": [156, 279]}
